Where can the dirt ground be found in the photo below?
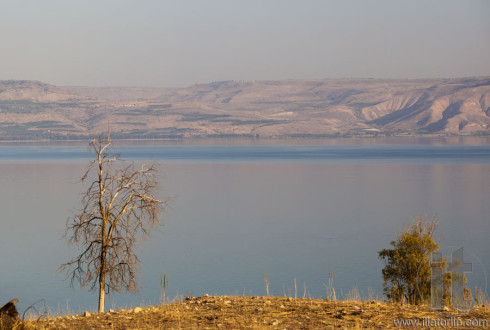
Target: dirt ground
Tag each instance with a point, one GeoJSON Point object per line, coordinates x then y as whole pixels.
{"type": "Point", "coordinates": [230, 312]}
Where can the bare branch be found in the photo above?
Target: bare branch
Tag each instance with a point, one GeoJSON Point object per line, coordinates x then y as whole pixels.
{"type": "Point", "coordinates": [119, 207]}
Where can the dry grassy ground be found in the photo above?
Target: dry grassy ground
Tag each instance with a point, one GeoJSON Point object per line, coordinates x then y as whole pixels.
{"type": "Point", "coordinates": [254, 313]}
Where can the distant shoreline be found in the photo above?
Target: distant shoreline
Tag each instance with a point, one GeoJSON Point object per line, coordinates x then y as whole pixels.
{"type": "Point", "coordinates": [32, 110]}
{"type": "Point", "coordinates": [280, 140]}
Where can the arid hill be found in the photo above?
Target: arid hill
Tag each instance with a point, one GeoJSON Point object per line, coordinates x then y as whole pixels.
{"type": "Point", "coordinates": [210, 312]}
{"type": "Point", "coordinates": [290, 108]}
{"type": "Point", "coordinates": [35, 91]}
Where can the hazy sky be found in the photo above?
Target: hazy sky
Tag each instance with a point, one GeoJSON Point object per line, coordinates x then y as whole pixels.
{"type": "Point", "coordinates": [173, 43]}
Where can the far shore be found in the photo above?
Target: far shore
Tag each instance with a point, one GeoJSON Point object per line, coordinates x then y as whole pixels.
{"type": "Point", "coordinates": [430, 139]}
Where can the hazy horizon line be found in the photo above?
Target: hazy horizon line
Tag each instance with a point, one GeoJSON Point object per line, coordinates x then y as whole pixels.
{"type": "Point", "coordinates": [251, 81]}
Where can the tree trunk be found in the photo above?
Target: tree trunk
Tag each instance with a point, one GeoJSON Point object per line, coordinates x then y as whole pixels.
{"type": "Point", "coordinates": [102, 277]}
{"type": "Point", "coordinates": [103, 238]}
{"type": "Point", "coordinates": [101, 292]}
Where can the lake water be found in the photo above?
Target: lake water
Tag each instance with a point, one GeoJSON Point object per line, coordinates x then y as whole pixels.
{"type": "Point", "coordinates": [237, 212]}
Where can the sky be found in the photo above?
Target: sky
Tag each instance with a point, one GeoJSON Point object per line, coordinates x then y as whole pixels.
{"type": "Point", "coordinates": [177, 43]}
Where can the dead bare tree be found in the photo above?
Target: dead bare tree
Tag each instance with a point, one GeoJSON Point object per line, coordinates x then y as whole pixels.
{"type": "Point", "coordinates": [119, 208]}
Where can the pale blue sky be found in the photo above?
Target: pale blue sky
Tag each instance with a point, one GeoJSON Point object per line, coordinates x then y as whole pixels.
{"type": "Point", "coordinates": [174, 43]}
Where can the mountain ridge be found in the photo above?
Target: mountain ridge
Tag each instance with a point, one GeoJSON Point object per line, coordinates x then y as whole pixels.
{"type": "Point", "coordinates": [288, 108]}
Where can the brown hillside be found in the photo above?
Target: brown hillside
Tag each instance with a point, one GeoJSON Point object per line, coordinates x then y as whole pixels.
{"type": "Point", "coordinates": [210, 312]}
{"type": "Point", "coordinates": [290, 108]}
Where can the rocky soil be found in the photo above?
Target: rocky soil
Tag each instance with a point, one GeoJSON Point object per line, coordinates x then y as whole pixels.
{"type": "Point", "coordinates": [231, 312]}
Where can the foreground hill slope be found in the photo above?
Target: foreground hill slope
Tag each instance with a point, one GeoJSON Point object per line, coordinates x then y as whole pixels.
{"type": "Point", "coordinates": [270, 312]}
{"type": "Point", "coordinates": [290, 108]}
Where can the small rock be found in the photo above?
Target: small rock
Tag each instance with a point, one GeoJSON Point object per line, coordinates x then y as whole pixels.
{"type": "Point", "coordinates": [205, 295]}
{"type": "Point", "coordinates": [356, 307]}
{"type": "Point", "coordinates": [274, 322]}
{"type": "Point", "coordinates": [282, 306]}
{"type": "Point", "coordinates": [290, 299]}
{"type": "Point", "coordinates": [111, 311]}
{"type": "Point", "coordinates": [86, 314]}
{"type": "Point", "coordinates": [227, 302]}
{"type": "Point", "coordinates": [445, 308]}
{"type": "Point", "coordinates": [268, 302]}
{"type": "Point", "coordinates": [137, 310]}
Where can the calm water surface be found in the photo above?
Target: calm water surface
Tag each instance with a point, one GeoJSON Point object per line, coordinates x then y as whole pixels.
{"type": "Point", "coordinates": [240, 211]}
